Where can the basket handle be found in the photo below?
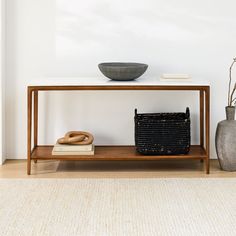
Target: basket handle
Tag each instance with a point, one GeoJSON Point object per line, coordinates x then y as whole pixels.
{"type": "Point", "coordinates": [187, 112]}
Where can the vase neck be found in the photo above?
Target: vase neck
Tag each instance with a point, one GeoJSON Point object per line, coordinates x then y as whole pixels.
{"type": "Point", "coordinates": [230, 112]}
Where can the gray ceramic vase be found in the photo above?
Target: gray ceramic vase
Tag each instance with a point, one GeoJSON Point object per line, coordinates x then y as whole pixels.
{"type": "Point", "coordinates": [226, 141]}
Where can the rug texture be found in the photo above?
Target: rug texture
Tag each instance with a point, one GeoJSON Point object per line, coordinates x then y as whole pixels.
{"type": "Point", "coordinates": [110, 207]}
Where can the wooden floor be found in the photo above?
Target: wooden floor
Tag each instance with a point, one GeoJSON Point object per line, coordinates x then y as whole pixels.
{"type": "Point", "coordinates": [112, 169]}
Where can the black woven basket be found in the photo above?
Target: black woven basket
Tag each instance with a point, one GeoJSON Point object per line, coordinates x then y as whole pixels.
{"type": "Point", "coordinates": [162, 133]}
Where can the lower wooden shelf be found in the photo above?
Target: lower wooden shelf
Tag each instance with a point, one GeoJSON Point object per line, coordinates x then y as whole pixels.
{"type": "Point", "coordinates": [115, 153]}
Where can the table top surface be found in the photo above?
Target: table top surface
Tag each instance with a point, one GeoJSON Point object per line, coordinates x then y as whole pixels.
{"type": "Point", "coordinates": [103, 81]}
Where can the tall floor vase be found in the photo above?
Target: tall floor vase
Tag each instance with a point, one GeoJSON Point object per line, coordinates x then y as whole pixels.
{"type": "Point", "coordinates": [225, 141]}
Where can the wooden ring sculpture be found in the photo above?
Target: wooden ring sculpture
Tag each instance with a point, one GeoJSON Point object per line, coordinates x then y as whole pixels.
{"type": "Point", "coordinates": [67, 140]}
{"type": "Point", "coordinates": [77, 137]}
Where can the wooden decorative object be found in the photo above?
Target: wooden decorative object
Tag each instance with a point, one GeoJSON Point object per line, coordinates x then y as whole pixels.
{"type": "Point", "coordinates": [76, 137]}
{"type": "Point", "coordinates": [69, 140]}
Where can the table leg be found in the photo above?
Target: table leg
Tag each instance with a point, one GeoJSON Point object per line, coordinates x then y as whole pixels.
{"type": "Point", "coordinates": [201, 118]}
{"type": "Point", "coordinates": [29, 126]}
{"type": "Point", "coordinates": [207, 128]}
{"type": "Point", "coordinates": [35, 120]}
{"type": "Point", "coordinates": [201, 105]}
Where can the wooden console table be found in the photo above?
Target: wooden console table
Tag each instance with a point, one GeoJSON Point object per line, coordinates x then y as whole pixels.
{"type": "Point", "coordinates": [115, 153]}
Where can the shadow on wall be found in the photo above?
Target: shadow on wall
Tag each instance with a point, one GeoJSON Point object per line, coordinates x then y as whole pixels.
{"type": "Point", "coordinates": [90, 33]}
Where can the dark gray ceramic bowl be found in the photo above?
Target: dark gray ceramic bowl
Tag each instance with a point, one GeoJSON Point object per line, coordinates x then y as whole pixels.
{"type": "Point", "coordinates": [122, 71]}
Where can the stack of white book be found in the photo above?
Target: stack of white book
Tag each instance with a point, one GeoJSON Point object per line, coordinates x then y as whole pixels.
{"type": "Point", "coordinates": [175, 77]}
{"type": "Point", "coordinates": [72, 149]}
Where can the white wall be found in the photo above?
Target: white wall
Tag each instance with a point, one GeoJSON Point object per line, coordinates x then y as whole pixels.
{"type": "Point", "coordinates": [2, 81]}
{"type": "Point", "coordinates": [69, 38]}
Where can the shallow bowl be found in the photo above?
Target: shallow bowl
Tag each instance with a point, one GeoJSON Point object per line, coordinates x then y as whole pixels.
{"type": "Point", "coordinates": [122, 71]}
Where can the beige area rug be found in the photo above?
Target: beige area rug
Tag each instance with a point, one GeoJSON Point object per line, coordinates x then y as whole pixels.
{"type": "Point", "coordinates": [110, 207]}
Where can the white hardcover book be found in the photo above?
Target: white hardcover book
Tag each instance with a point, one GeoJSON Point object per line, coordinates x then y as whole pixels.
{"type": "Point", "coordinates": [175, 77]}
{"type": "Point", "coordinates": [74, 148]}
{"type": "Point", "coordinates": [72, 153]}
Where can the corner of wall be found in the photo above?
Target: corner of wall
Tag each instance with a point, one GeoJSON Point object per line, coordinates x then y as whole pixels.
{"type": "Point", "coordinates": [2, 81]}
